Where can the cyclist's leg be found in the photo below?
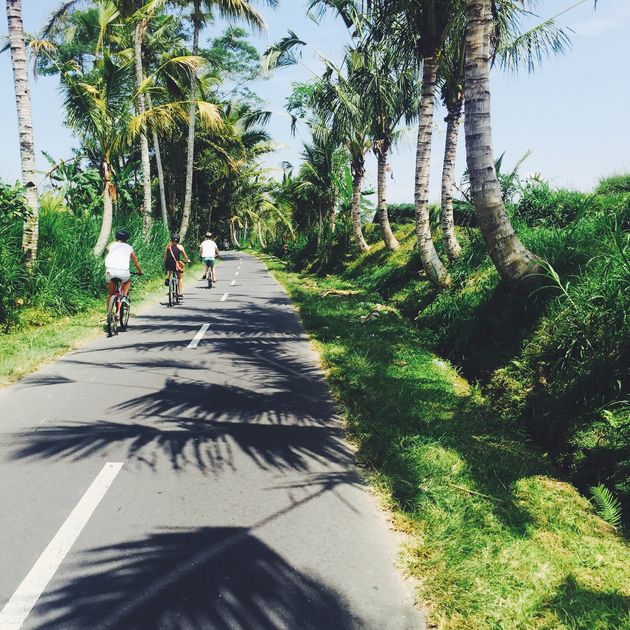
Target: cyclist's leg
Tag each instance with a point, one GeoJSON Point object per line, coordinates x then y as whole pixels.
{"type": "Point", "coordinates": [111, 289]}
{"type": "Point", "coordinates": [125, 287]}
{"type": "Point", "coordinates": [213, 270]}
{"type": "Point", "coordinates": [179, 283]}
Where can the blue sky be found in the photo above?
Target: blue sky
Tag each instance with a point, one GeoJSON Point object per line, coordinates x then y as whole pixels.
{"type": "Point", "coordinates": [573, 113]}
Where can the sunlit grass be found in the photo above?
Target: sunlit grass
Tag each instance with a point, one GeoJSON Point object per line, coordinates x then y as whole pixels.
{"type": "Point", "coordinates": [495, 540]}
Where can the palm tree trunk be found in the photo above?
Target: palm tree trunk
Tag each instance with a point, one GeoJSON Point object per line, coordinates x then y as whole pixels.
{"type": "Point", "coordinates": [144, 143]}
{"type": "Point", "coordinates": [25, 124]}
{"type": "Point", "coordinates": [451, 245]}
{"type": "Point", "coordinates": [106, 224]}
{"type": "Point", "coordinates": [358, 170]}
{"type": "Point", "coordinates": [383, 218]}
{"type": "Point", "coordinates": [160, 172]}
{"type": "Point", "coordinates": [512, 260]}
{"type": "Point", "coordinates": [190, 156]}
{"type": "Point", "coordinates": [261, 240]}
{"type": "Point", "coordinates": [233, 237]}
{"type": "Point", "coordinates": [431, 263]}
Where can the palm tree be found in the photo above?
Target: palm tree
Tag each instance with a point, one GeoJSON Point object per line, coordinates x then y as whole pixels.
{"type": "Point", "coordinates": [97, 107]}
{"type": "Point", "coordinates": [137, 12]}
{"type": "Point", "coordinates": [389, 95]}
{"type": "Point", "coordinates": [162, 40]}
{"type": "Point", "coordinates": [233, 9]}
{"type": "Point", "coordinates": [339, 104]}
{"type": "Point", "coordinates": [25, 125]}
{"type": "Point", "coordinates": [511, 258]}
{"type": "Point", "coordinates": [452, 92]}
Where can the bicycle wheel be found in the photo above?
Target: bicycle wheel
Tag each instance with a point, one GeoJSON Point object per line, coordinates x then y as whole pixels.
{"type": "Point", "coordinates": [112, 315]}
{"type": "Point", "coordinates": [124, 313]}
{"type": "Point", "coordinates": [171, 296]}
{"type": "Point", "coordinates": [210, 283]}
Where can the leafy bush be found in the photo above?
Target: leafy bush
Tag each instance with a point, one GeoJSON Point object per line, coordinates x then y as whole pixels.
{"type": "Point", "coordinates": [614, 184]}
{"type": "Point", "coordinates": [541, 205]}
{"type": "Point", "coordinates": [13, 206]}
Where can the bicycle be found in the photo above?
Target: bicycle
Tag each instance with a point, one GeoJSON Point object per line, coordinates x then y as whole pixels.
{"type": "Point", "coordinates": [118, 309]}
{"type": "Point", "coordinates": [173, 296]}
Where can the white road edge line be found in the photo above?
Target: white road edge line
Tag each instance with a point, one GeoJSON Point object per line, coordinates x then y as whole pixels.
{"type": "Point", "coordinates": [236, 273]}
{"type": "Point", "coordinates": [224, 297]}
{"type": "Point", "coordinates": [16, 610]}
{"type": "Point", "coordinates": [233, 283]}
{"type": "Point", "coordinates": [199, 336]}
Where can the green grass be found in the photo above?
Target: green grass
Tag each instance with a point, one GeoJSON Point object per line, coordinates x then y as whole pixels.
{"type": "Point", "coordinates": [495, 539]}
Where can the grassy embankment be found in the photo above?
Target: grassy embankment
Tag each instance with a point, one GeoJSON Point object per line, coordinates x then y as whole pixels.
{"type": "Point", "coordinates": [496, 539]}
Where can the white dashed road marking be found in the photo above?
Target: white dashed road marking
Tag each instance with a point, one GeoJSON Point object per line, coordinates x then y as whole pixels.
{"type": "Point", "coordinates": [224, 297]}
{"type": "Point", "coordinates": [16, 610]}
{"type": "Point", "coordinates": [199, 336]}
{"type": "Point", "coordinates": [233, 283]}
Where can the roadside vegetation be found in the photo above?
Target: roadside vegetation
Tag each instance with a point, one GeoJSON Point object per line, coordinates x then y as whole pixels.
{"type": "Point", "coordinates": [129, 72]}
{"type": "Point", "coordinates": [476, 474]}
{"type": "Point", "coordinates": [495, 539]}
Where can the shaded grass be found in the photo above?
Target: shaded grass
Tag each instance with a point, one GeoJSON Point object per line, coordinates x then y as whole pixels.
{"type": "Point", "coordinates": [496, 540]}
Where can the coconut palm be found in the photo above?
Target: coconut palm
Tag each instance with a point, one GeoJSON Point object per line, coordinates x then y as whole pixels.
{"type": "Point", "coordinates": [339, 103]}
{"type": "Point", "coordinates": [98, 108]}
{"type": "Point", "coordinates": [201, 12]}
{"type": "Point", "coordinates": [25, 126]}
{"type": "Point", "coordinates": [452, 93]}
{"type": "Point", "coordinates": [138, 13]}
{"type": "Point", "coordinates": [511, 258]}
{"type": "Point", "coordinates": [389, 96]}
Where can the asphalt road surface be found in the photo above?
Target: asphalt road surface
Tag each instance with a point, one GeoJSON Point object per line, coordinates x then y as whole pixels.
{"type": "Point", "coordinates": [191, 473]}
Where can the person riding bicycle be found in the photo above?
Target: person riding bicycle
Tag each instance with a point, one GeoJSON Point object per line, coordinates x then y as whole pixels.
{"type": "Point", "coordinates": [209, 252]}
{"type": "Point", "coordinates": [119, 253]}
{"type": "Point", "coordinates": [172, 262]}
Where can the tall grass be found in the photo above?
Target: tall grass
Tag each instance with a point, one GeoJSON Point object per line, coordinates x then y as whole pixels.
{"type": "Point", "coordinates": [67, 277]}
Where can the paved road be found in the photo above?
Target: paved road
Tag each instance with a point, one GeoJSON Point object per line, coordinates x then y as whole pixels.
{"type": "Point", "coordinates": [146, 484]}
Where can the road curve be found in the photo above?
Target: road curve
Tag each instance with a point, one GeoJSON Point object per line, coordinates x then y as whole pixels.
{"type": "Point", "coordinates": [191, 473]}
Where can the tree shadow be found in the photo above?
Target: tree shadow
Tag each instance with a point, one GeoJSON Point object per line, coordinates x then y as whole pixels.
{"type": "Point", "coordinates": [191, 578]}
{"type": "Point", "coordinates": [209, 446]}
{"type": "Point", "coordinates": [579, 607]}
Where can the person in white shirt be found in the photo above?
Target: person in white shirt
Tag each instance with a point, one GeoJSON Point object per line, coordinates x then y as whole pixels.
{"type": "Point", "coordinates": [119, 254]}
{"type": "Point", "coordinates": [209, 253]}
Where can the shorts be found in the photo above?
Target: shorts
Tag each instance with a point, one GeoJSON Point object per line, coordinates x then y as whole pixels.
{"type": "Point", "coordinates": [121, 274]}
{"type": "Point", "coordinates": [209, 262]}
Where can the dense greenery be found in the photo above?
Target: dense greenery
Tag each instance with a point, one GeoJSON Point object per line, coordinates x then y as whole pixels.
{"type": "Point", "coordinates": [495, 540]}
{"type": "Point", "coordinates": [90, 48]}
{"type": "Point", "coordinates": [552, 357]}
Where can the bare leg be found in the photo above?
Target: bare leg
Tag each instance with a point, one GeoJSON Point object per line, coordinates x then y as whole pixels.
{"type": "Point", "coordinates": [125, 287]}
{"type": "Point", "coordinates": [111, 290]}
{"type": "Point", "coordinates": [179, 283]}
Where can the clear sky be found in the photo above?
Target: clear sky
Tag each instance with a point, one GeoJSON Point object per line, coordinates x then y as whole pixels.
{"type": "Point", "coordinates": [573, 113]}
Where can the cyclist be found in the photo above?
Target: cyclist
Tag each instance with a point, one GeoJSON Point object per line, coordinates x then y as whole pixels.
{"type": "Point", "coordinates": [172, 262]}
{"type": "Point", "coordinates": [209, 251]}
{"type": "Point", "coordinates": [119, 253]}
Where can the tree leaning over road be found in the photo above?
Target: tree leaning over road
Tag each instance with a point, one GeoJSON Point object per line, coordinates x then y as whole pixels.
{"type": "Point", "coordinates": [25, 126]}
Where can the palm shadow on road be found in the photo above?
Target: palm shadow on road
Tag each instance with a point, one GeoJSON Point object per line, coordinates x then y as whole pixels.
{"type": "Point", "coordinates": [206, 577]}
